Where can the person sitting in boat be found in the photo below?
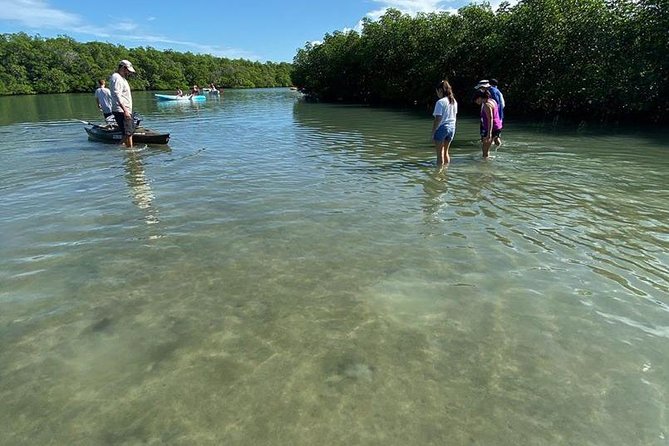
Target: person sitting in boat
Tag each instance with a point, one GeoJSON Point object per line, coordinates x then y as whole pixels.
{"type": "Point", "coordinates": [195, 91]}
{"type": "Point", "coordinates": [212, 88]}
{"type": "Point", "coordinates": [179, 92]}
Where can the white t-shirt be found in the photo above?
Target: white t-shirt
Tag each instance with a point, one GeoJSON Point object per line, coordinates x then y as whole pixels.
{"type": "Point", "coordinates": [120, 93]}
{"type": "Point", "coordinates": [446, 110]}
{"type": "Point", "coordinates": [104, 98]}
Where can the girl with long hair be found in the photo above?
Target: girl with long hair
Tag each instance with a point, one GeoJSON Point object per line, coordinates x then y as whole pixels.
{"type": "Point", "coordinates": [443, 126]}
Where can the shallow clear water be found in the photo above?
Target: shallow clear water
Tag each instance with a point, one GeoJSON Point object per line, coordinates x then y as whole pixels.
{"type": "Point", "coordinates": [289, 273]}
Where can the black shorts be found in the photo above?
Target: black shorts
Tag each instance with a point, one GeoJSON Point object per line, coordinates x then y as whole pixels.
{"type": "Point", "coordinates": [126, 125]}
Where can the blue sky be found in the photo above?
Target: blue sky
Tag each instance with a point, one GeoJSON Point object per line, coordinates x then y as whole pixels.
{"type": "Point", "coordinates": [269, 30]}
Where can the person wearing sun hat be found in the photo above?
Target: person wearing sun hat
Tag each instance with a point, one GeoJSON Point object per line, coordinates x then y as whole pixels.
{"type": "Point", "coordinates": [491, 87]}
{"type": "Point", "coordinates": [122, 100]}
{"type": "Point", "coordinates": [483, 84]}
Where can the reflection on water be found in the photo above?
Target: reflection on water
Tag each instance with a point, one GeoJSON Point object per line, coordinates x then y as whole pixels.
{"type": "Point", "coordinates": [435, 187]}
{"type": "Point", "coordinates": [329, 284]}
{"type": "Point", "coordinates": [140, 187]}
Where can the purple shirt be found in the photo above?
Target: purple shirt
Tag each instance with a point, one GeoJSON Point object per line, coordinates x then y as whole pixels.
{"type": "Point", "coordinates": [496, 122]}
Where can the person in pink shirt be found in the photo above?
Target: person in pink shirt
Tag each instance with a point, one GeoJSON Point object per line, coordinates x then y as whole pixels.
{"type": "Point", "coordinates": [491, 125]}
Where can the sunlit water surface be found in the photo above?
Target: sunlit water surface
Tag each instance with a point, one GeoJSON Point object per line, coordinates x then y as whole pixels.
{"type": "Point", "coordinates": [287, 273]}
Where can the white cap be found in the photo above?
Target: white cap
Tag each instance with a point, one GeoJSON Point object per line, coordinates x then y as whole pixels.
{"type": "Point", "coordinates": [127, 64]}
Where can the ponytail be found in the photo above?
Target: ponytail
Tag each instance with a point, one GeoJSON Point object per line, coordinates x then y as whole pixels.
{"type": "Point", "coordinates": [447, 89]}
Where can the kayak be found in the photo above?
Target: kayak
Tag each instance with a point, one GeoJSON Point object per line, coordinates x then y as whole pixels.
{"type": "Point", "coordinates": [186, 97]}
{"type": "Point", "coordinates": [109, 133]}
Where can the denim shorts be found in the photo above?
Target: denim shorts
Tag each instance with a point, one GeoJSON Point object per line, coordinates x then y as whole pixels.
{"type": "Point", "coordinates": [444, 132]}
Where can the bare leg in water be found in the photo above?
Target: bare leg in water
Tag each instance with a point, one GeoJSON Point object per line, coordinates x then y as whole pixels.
{"type": "Point", "coordinates": [441, 147]}
{"type": "Point", "coordinates": [485, 146]}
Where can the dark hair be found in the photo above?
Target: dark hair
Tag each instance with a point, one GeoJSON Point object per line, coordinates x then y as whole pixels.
{"type": "Point", "coordinates": [478, 94]}
{"type": "Point", "coordinates": [493, 82]}
{"type": "Point", "coordinates": [447, 89]}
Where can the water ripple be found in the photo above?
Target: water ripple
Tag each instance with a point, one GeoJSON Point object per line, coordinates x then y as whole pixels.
{"type": "Point", "coordinates": [273, 233]}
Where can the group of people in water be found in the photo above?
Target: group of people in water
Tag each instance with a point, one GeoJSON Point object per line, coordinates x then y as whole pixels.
{"type": "Point", "coordinates": [488, 96]}
{"type": "Point", "coordinates": [116, 101]}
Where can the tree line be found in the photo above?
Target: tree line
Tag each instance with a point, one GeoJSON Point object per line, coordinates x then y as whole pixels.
{"type": "Point", "coordinates": [33, 65]}
{"type": "Point", "coordinates": [585, 59]}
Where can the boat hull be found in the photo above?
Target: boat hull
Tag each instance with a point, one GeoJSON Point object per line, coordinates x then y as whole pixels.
{"type": "Point", "coordinates": [142, 135]}
{"type": "Point", "coordinates": [171, 97]}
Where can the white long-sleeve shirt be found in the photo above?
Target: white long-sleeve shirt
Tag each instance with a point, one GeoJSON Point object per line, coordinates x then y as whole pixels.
{"type": "Point", "coordinates": [120, 92]}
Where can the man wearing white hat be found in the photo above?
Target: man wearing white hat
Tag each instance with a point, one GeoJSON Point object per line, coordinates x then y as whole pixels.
{"type": "Point", "coordinates": [496, 95]}
{"type": "Point", "coordinates": [482, 85]}
{"type": "Point", "coordinates": [122, 100]}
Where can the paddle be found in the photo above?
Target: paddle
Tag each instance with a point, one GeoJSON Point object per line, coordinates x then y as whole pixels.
{"type": "Point", "coordinates": [109, 121]}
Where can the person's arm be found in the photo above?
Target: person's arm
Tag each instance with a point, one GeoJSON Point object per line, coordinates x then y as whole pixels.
{"type": "Point", "coordinates": [435, 124]}
{"type": "Point", "coordinates": [438, 113]}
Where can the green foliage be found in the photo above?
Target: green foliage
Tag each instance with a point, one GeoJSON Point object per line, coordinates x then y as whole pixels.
{"type": "Point", "coordinates": [583, 58]}
{"type": "Point", "coordinates": [61, 65]}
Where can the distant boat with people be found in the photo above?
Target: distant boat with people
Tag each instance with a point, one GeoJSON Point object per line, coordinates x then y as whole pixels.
{"type": "Point", "coordinates": [185, 97]}
{"type": "Point", "coordinates": [211, 91]}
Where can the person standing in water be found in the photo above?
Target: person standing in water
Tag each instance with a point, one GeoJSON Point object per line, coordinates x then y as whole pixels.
{"type": "Point", "coordinates": [491, 125]}
{"type": "Point", "coordinates": [497, 95]}
{"type": "Point", "coordinates": [104, 99]}
{"type": "Point", "coordinates": [122, 100]}
{"type": "Point", "coordinates": [443, 126]}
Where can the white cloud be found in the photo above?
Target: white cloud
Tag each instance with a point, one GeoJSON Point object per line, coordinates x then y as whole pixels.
{"type": "Point", "coordinates": [413, 7]}
{"type": "Point", "coordinates": [37, 14]}
{"type": "Point", "coordinates": [495, 3]}
{"type": "Point", "coordinates": [126, 26]}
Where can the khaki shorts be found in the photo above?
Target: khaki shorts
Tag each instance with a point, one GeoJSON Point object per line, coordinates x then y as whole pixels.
{"type": "Point", "coordinates": [126, 125]}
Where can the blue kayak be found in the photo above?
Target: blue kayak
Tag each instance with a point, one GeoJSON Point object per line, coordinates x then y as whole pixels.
{"type": "Point", "coordinates": [186, 97]}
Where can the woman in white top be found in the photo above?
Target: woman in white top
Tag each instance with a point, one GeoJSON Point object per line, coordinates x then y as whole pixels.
{"type": "Point", "coordinates": [443, 127]}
